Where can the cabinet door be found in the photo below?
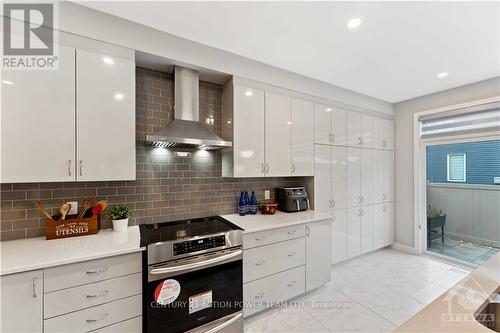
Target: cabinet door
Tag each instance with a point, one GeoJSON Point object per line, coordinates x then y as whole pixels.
{"type": "Point", "coordinates": [318, 253]}
{"type": "Point", "coordinates": [379, 232]}
{"type": "Point", "coordinates": [366, 229]}
{"type": "Point", "coordinates": [339, 127]}
{"type": "Point", "coordinates": [366, 131]}
{"type": "Point", "coordinates": [278, 135]}
{"type": "Point", "coordinates": [21, 303]}
{"type": "Point", "coordinates": [353, 177]}
{"type": "Point", "coordinates": [339, 236]}
{"type": "Point", "coordinates": [378, 133]}
{"type": "Point", "coordinates": [302, 138]}
{"type": "Point", "coordinates": [378, 176]}
{"type": "Point", "coordinates": [105, 116]}
{"type": "Point", "coordinates": [339, 177]}
{"type": "Point", "coordinates": [366, 171]}
{"type": "Point", "coordinates": [389, 224]}
{"type": "Point", "coordinates": [322, 124]}
{"type": "Point", "coordinates": [38, 123]}
{"type": "Point", "coordinates": [353, 232]}
{"type": "Point", "coordinates": [388, 135]}
{"type": "Point", "coordinates": [389, 175]}
{"type": "Point", "coordinates": [322, 177]}
{"type": "Point", "coordinates": [248, 139]}
{"type": "Point", "coordinates": [353, 129]}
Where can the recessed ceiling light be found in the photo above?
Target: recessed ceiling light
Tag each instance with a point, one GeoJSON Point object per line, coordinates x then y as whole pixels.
{"type": "Point", "coordinates": [328, 109]}
{"type": "Point", "coordinates": [441, 75]}
{"type": "Point", "coordinates": [248, 93]}
{"type": "Point", "coordinates": [119, 96]}
{"type": "Point", "coordinates": [8, 82]}
{"type": "Point", "coordinates": [354, 23]}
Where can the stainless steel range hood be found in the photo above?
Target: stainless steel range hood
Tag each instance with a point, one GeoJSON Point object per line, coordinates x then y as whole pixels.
{"type": "Point", "coordinates": [185, 131]}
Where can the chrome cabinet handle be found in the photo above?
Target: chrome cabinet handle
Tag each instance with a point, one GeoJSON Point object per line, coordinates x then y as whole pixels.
{"type": "Point", "coordinates": [362, 141]}
{"type": "Point", "coordinates": [291, 284]}
{"type": "Point", "coordinates": [81, 168]}
{"type": "Point", "coordinates": [69, 168]}
{"type": "Point", "coordinates": [101, 317]}
{"type": "Point", "coordinates": [293, 167]}
{"type": "Point", "coordinates": [262, 168]}
{"type": "Point", "coordinates": [260, 262]}
{"type": "Point", "coordinates": [308, 231]}
{"type": "Point", "coordinates": [262, 294]}
{"type": "Point", "coordinates": [359, 199]}
{"type": "Point", "coordinates": [362, 212]}
{"type": "Point", "coordinates": [35, 282]}
{"type": "Point", "coordinates": [98, 271]}
{"type": "Point", "coordinates": [384, 208]}
{"type": "Point", "coordinates": [292, 254]}
{"type": "Point", "coordinates": [359, 141]}
{"type": "Point", "coordinates": [293, 232]}
{"type": "Point", "coordinates": [333, 138]}
{"type": "Point", "coordinates": [333, 203]}
{"type": "Point", "coordinates": [333, 218]}
{"type": "Point", "coordinates": [100, 295]}
{"type": "Point", "coordinates": [258, 239]}
{"type": "Point", "coordinates": [359, 212]}
{"type": "Point", "coordinates": [362, 199]}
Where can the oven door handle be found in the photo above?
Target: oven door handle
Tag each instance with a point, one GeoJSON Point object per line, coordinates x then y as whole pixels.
{"type": "Point", "coordinates": [204, 263]}
{"type": "Point", "coordinates": [225, 324]}
{"type": "Point", "coordinates": [230, 320]}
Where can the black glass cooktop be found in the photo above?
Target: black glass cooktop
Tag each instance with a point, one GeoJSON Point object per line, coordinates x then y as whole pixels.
{"type": "Point", "coordinates": [167, 231]}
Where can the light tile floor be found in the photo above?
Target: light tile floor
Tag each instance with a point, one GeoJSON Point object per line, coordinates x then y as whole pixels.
{"type": "Point", "coordinates": [476, 254]}
{"type": "Point", "coordinates": [373, 293]}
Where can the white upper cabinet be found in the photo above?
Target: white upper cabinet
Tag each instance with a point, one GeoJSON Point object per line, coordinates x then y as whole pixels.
{"type": "Point", "coordinates": [38, 123]}
{"type": "Point", "coordinates": [389, 175]}
{"type": "Point", "coordinates": [330, 125]}
{"type": "Point", "coordinates": [21, 303]}
{"type": "Point", "coordinates": [302, 137]}
{"type": "Point", "coordinates": [323, 177]}
{"type": "Point", "coordinates": [339, 177]}
{"type": "Point", "coordinates": [322, 124]}
{"type": "Point", "coordinates": [339, 127]}
{"type": "Point", "coordinates": [383, 134]}
{"type": "Point", "coordinates": [378, 176]}
{"type": "Point", "coordinates": [278, 135]}
{"type": "Point", "coordinates": [105, 116]}
{"type": "Point", "coordinates": [366, 176]}
{"type": "Point", "coordinates": [359, 130]}
{"type": "Point", "coordinates": [248, 139]}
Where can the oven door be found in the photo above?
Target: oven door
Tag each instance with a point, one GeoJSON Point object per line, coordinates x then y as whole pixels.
{"type": "Point", "coordinates": [185, 294]}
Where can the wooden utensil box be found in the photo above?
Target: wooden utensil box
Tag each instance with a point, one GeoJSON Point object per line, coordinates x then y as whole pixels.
{"type": "Point", "coordinates": [71, 227]}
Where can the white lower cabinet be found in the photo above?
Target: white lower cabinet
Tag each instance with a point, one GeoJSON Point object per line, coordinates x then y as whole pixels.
{"type": "Point", "coordinates": [366, 229]}
{"type": "Point", "coordinates": [353, 232]}
{"type": "Point", "coordinates": [339, 236]}
{"type": "Point", "coordinates": [282, 263]}
{"type": "Point", "coordinates": [383, 224]}
{"type": "Point", "coordinates": [318, 253]}
{"type": "Point", "coordinates": [21, 303]}
{"type": "Point", "coordinates": [102, 294]}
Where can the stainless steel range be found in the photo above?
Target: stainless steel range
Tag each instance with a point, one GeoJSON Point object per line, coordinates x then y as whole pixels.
{"type": "Point", "coordinates": [193, 276]}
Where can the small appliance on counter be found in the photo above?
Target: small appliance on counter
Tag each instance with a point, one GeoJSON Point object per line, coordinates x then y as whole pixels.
{"type": "Point", "coordinates": [292, 199]}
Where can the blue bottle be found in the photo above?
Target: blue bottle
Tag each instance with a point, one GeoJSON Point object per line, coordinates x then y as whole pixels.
{"type": "Point", "coordinates": [241, 204]}
{"type": "Point", "coordinates": [247, 203]}
{"type": "Point", "coordinates": [253, 204]}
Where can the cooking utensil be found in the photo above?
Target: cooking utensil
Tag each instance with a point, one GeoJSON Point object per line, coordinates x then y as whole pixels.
{"type": "Point", "coordinates": [65, 208]}
{"type": "Point", "coordinates": [43, 210]}
{"type": "Point", "coordinates": [88, 203]}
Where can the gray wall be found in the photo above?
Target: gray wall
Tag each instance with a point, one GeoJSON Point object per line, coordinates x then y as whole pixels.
{"type": "Point", "coordinates": [98, 25]}
{"type": "Point", "coordinates": [404, 144]}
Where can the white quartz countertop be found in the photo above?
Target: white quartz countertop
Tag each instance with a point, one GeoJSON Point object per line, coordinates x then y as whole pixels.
{"type": "Point", "coordinates": [35, 253]}
{"type": "Point", "coordinates": [260, 222]}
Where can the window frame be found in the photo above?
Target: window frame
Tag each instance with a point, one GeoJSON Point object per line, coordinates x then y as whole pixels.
{"type": "Point", "coordinates": [464, 180]}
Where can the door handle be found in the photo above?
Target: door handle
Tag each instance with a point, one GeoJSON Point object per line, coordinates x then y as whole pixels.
{"type": "Point", "coordinates": [258, 263]}
{"type": "Point", "coordinates": [292, 254]}
{"type": "Point", "coordinates": [359, 199]}
{"type": "Point", "coordinates": [267, 167]}
{"type": "Point", "coordinates": [293, 232]}
{"type": "Point", "coordinates": [359, 212]}
{"type": "Point", "coordinates": [291, 284]}
{"type": "Point", "coordinates": [359, 141]}
{"type": "Point", "coordinates": [69, 168]}
{"type": "Point", "coordinates": [258, 239]}
{"type": "Point", "coordinates": [333, 203]}
{"type": "Point", "coordinates": [333, 138]}
{"type": "Point", "coordinates": [81, 168]}
{"type": "Point", "coordinates": [384, 208]}
{"type": "Point", "coordinates": [362, 141]}
{"type": "Point", "coordinates": [262, 168]}
{"type": "Point", "coordinates": [35, 283]}
{"type": "Point", "coordinates": [293, 167]}
{"type": "Point", "coordinates": [308, 231]}
{"type": "Point", "coordinates": [262, 294]}
{"type": "Point", "coordinates": [100, 295]}
{"type": "Point", "coordinates": [100, 318]}
{"type": "Point", "coordinates": [98, 271]}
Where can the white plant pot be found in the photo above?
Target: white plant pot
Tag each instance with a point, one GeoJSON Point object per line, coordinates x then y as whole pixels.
{"type": "Point", "coordinates": [120, 225]}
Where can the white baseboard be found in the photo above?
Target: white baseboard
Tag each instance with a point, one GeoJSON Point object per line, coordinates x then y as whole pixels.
{"type": "Point", "coordinates": [403, 248]}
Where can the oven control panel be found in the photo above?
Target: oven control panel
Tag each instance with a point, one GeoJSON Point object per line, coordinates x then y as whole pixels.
{"type": "Point", "coordinates": [199, 244]}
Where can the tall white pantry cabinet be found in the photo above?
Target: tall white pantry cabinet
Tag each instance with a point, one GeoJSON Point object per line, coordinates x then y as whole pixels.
{"type": "Point", "coordinates": [354, 179]}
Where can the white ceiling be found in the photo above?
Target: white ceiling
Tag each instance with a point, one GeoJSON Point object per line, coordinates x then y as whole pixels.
{"type": "Point", "coordinates": [394, 55]}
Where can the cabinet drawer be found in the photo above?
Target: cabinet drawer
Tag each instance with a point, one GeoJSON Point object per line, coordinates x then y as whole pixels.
{"type": "Point", "coordinates": [262, 293]}
{"type": "Point", "coordinates": [72, 275]}
{"type": "Point", "coordinates": [133, 325]}
{"type": "Point", "coordinates": [274, 258]}
{"type": "Point", "coordinates": [95, 317]}
{"type": "Point", "coordinates": [260, 238]}
{"type": "Point", "coordinates": [68, 300]}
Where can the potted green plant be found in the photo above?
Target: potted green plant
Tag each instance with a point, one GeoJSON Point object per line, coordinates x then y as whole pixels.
{"type": "Point", "coordinates": [120, 215]}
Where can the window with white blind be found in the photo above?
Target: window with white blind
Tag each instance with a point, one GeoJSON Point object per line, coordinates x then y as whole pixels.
{"type": "Point", "coordinates": [456, 168]}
